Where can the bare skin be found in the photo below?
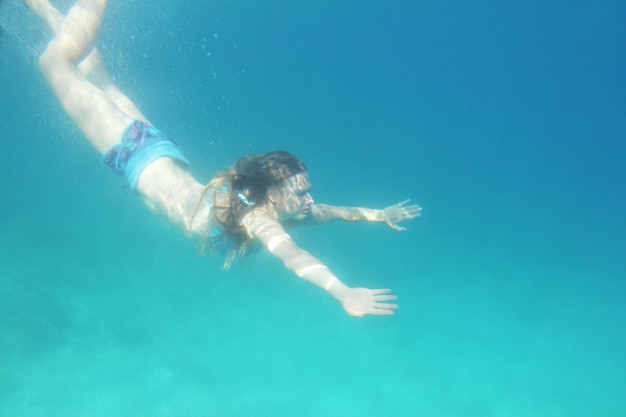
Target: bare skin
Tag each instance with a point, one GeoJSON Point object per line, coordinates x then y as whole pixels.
{"type": "Point", "coordinates": [91, 67]}
{"type": "Point", "coordinates": [74, 70]}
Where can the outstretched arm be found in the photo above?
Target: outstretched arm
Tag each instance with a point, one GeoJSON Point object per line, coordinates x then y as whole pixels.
{"type": "Point", "coordinates": [392, 215]}
{"type": "Point", "coordinates": [356, 301]}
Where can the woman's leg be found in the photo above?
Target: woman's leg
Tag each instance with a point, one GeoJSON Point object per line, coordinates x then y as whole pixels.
{"type": "Point", "coordinates": [92, 67]}
{"type": "Point", "coordinates": [95, 113]}
{"type": "Point", "coordinates": [94, 70]}
{"type": "Point", "coordinates": [74, 70]}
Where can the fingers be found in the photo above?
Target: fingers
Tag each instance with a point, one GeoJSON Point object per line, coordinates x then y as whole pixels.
{"type": "Point", "coordinates": [412, 211]}
{"type": "Point", "coordinates": [403, 203]}
{"type": "Point", "coordinates": [380, 312]}
{"type": "Point", "coordinates": [385, 306]}
{"type": "Point", "coordinates": [383, 309]}
{"type": "Point", "coordinates": [379, 298]}
{"type": "Point", "coordinates": [379, 308]}
{"type": "Point", "coordinates": [394, 226]}
{"type": "Point", "coordinates": [383, 291]}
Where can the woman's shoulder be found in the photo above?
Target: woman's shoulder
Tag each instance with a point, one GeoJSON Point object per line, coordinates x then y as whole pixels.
{"type": "Point", "coordinates": [257, 219]}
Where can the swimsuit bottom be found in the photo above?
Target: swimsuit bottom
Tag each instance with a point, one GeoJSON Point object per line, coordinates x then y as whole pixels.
{"type": "Point", "coordinates": [141, 145]}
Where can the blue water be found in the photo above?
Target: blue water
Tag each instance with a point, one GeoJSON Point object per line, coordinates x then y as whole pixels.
{"type": "Point", "coordinates": [506, 122]}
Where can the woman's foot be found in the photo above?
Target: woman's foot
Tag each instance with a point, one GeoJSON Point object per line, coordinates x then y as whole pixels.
{"type": "Point", "coordinates": [47, 12]}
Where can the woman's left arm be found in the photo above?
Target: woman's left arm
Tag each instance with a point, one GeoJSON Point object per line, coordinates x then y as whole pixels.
{"type": "Point", "coordinates": [392, 215]}
{"type": "Point", "coordinates": [357, 302]}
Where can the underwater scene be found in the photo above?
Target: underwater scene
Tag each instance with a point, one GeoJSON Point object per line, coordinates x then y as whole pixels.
{"type": "Point", "coordinates": [504, 121]}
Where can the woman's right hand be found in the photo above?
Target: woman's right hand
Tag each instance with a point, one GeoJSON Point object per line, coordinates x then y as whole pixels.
{"type": "Point", "coordinates": [361, 301]}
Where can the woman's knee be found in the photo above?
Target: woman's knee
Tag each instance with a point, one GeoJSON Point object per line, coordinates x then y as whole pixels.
{"type": "Point", "coordinates": [47, 60]}
{"type": "Point", "coordinates": [56, 69]}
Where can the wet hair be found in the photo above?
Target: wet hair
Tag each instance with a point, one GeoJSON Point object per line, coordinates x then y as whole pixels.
{"type": "Point", "coordinates": [239, 191]}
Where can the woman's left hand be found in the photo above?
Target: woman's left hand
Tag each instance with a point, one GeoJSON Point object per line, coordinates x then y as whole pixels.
{"type": "Point", "coordinates": [393, 215]}
{"type": "Point", "coordinates": [361, 301]}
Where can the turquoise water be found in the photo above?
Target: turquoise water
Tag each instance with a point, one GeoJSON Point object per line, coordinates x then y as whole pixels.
{"type": "Point", "coordinates": [505, 122]}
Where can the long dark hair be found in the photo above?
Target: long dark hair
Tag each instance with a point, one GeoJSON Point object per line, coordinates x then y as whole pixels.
{"type": "Point", "coordinates": [239, 191]}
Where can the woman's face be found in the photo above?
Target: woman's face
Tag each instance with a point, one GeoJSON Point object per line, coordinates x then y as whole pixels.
{"type": "Point", "coordinates": [292, 199]}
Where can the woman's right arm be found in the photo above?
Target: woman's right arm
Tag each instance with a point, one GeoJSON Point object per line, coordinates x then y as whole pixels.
{"type": "Point", "coordinates": [356, 301]}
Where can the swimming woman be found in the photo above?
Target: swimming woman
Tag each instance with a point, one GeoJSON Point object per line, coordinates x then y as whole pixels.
{"type": "Point", "coordinates": [257, 202]}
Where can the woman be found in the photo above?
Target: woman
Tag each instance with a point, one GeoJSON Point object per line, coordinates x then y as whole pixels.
{"type": "Point", "coordinates": [262, 197]}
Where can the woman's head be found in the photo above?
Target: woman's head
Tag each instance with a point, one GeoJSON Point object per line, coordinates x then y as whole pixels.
{"type": "Point", "coordinates": [254, 175]}
{"type": "Point", "coordinates": [277, 178]}
{"type": "Point", "coordinates": [291, 198]}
